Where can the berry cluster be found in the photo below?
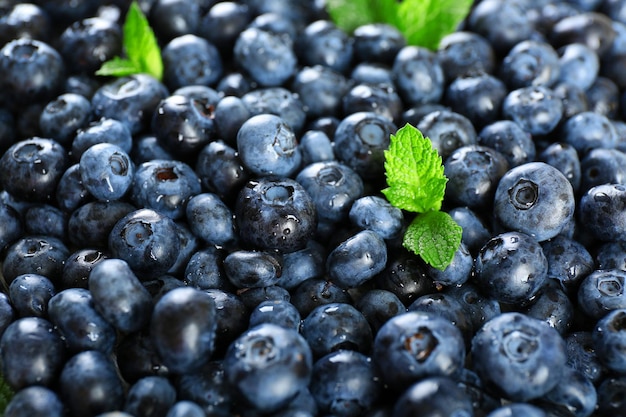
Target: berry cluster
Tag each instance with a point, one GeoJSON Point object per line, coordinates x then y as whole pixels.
{"type": "Point", "coordinates": [216, 243]}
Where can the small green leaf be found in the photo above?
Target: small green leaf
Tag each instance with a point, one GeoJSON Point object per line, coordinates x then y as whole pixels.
{"type": "Point", "coordinates": [414, 170]}
{"type": "Point", "coordinates": [143, 54]}
{"type": "Point", "coordinates": [348, 15]}
{"type": "Point", "coordinates": [435, 237]}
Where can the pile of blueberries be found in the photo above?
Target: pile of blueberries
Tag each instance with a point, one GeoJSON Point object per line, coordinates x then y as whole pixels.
{"type": "Point", "coordinates": [216, 244]}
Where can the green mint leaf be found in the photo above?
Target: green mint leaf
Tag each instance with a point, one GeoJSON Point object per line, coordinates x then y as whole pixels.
{"type": "Point", "coordinates": [435, 237]}
{"type": "Point", "coordinates": [118, 67]}
{"type": "Point", "coordinates": [143, 54]}
{"type": "Point", "coordinates": [422, 22]}
{"type": "Point", "coordinates": [414, 170]}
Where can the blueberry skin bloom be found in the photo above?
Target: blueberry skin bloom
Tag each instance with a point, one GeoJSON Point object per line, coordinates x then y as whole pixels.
{"type": "Point", "coordinates": [609, 339]}
{"type": "Point", "coordinates": [518, 357]}
{"type": "Point", "coordinates": [602, 213]}
{"type": "Point", "coordinates": [106, 171]}
{"type": "Point", "coordinates": [268, 146]}
{"type": "Point", "coordinates": [536, 108]}
{"type": "Point", "coordinates": [433, 397]}
{"type": "Point", "coordinates": [268, 366]}
{"type": "Point", "coordinates": [345, 383]}
{"type": "Point", "coordinates": [183, 329]}
{"type": "Point", "coordinates": [35, 401]}
{"type": "Point", "coordinates": [147, 240]}
{"type": "Point", "coordinates": [357, 259]}
{"type": "Point", "coordinates": [418, 76]}
{"type": "Point", "coordinates": [414, 345]}
{"type": "Point", "coordinates": [275, 214]}
{"type": "Point", "coordinates": [534, 198]}
{"type": "Point", "coordinates": [602, 291]}
{"type": "Point", "coordinates": [119, 295]}
{"type": "Point", "coordinates": [32, 168]}
{"type": "Point", "coordinates": [191, 60]}
{"type": "Point", "coordinates": [32, 352]}
{"type": "Point", "coordinates": [511, 268]}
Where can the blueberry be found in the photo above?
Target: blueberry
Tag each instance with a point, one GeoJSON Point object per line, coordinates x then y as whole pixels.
{"type": "Point", "coordinates": [268, 146]}
{"type": "Point", "coordinates": [316, 146]}
{"type": "Point", "coordinates": [537, 109]}
{"type": "Point", "coordinates": [377, 42]}
{"type": "Point", "coordinates": [518, 410]}
{"type": "Point", "coordinates": [35, 401]}
{"type": "Point", "coordinates": [511, 268]}
{"type": "Point", "coordinates": [229, 114]}
{"type": "Point", "coordinates": [279, 312]}
{"type": "Point", "coordinates": [610, 396]}
{"type": "Point", "coordinates": [207, 386]}
{"type": "Point", "coordinates": [373, 73]}
{"type": "Point", "coordinates": [360, 141]}
{"type": "Point", "coordinates": [172, 18]}
{"type": "Point", "coordinates": [510, 139]}
{"type": "Point", "coordinates": [275, 22]}
{"type": "Point", "coordinates": [106, 171]}
{"type": "Point", "coordinates": [137, 357]}
{"type": "Point", "coordinates": [415, 345]}
{"type": "Point", "coordinates": [275, 214]}
{"type": "Point", "coordinates": [433, 396]}
{"type": "Point", "coordinates": [582, 356]}
{"type": "Point", "coordinates": [418, 75]}
{"type": "Point", "coordinates": [478, 97]}
{"type": "Point", "coordinates": [406, 276]}
{"type": "Point", "coordinates": [151, 396]}
{"type": "Point", "coordinates": [611, 255]}
{"type": "Point", "coordinates": [579, 64]}
{"type": "Point", "coordinates": [84, 379]}
{"type": "Point", "coordinates": [190, 59]}
{"type": "Point", "coordinates": [11, 227]}
{"type": "Point", "coordinates": [336, 326]}
{"type": "Point", "coordinates": [78, 266]}
{"type": "Point", "coordinates": [183, 329]}
{"type": "Point", "coordinates": [303, 264]}
{"type": "Point", "coordinates": [602, 291]}
{"type": "Point", "coordinates": [573, 97]}
{"type": "Point", "coordinates": [315, 292]}
{"type": "Point", "coordinates": [554, 307]}
{"type": "Point", "coordinates": [604, 97]}
{"type": "Point", "coordinates": [609, 340]}
{"type": "Point", "coordinates": [529, 352]}
{"type": "Point", "coordinates": [592, 29]}
{"type": "Point", "coordinates": [534, 198]}
{"type": "Point", "coordinates": [447, 131]}
{"type": "Point", "coordinates": [32, 168]}
{"type": "Point", "coordinates": [345, 383]}
{"type": "Point", "coordinates": [475, 233]}
{"type": "Point", "coordinates": [32, 352]}
{"type": "Point", "coordinates": [223, 23]}
{"type": "Point", "coordinates": [378, 306]}
{"type": "Point", "coordinates": [576, 393]}
{"type": "Point", "coordinates": [267, 366]}
{"type": "Point", "coordinates": [26, 20]}
{"type": "Point", "coordinates": [589, 130]}
{"type": "Point", "coordinates": [457, 272]}
{"type": "Point", "coordinates": [268, 58]}
{"type": "Point", "coordinates": [530, 63]}
{"type": "Point", "coordinates": [30, 293]}
{"type": "Point", "coordinates": [211, 220]}
{"type": "Point", "coordinates": [601, 214]}
{"type": "Point", "coordinates": [185, 408]}
{"type": "Point", "coordinates": [563, 157]}
{"type": "Point", "coordinates": [357, 259]}
{"type": "Point", "coordinates": [378, 215]}
{"type": "Point", "coordinates": [147, 240]}
{"type": "Point", "coordinates": [119, 296]}
{"type": "Point", "coordinates": [234, 84]}
{"type": "Point", "coordinates": [568, 260]}
{"type": "Point", "coordinates": [477, 307]}
{"type": "Point", "coordinates": [63, 116]}
{"type": "Point", "coordinates": [164, 186]}
{"type": "Point", "coordinates": [204, 269]}
{"type": "Point", "coordinates": [465, 53]}
{"type": "Point", "coordinates": [323, 43]}
{"type": "Point", "coordinates": [98, 131]}
{"type": "Point", "coordinates": [381, 99]}
{"type": "Point", "coordinates": [44, 254]}
{"type": "Point", "coordinates": [278, 101]}
{"type": "Point", "coordinates": [91, 223]}
{"type": "Point", "coordinates": [602, 166]}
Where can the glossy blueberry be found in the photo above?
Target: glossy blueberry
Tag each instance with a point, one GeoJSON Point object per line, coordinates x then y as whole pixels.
{"type": "Point", "coordinates": [568, 260]}
{"type": "Point", "coordinates": [32, 352]}
{"type": "Point", "coordinates": [475, 233]}
{"type": "Point", "coordinates": [275, 22]}
{"type": "Point", "coordinates": [119, 296]}
{"type": "Point", "coordinates": [300, 265]}
{"type": "Point", "coordinates": [415, 345]}
{"type": "Point", "coordinates": [91, 223]}
{"type": "Point", "coordinates": [151, 396]}
{"type": "Point", "coordinates": [589, 130]}
{"type": "Point", "coordinates": [84, 379]}
{"type": "Point", "coordinates": [601, 212]}
{"type": "Point", "coordinates": [447, 131]}
{"type": "Point", "coordinates": [275, 214]}
{"type": "Point", "coordinates": [518, 410]}
{"type": "Point", "coordinates": [32, 168]}
{"type": "Point", "coordinates": [164, 186]}
{"type": "Point", "coordinates": [602, 291]}
{"type": "Point", "coordinates": [534, 198]}
{"type": "Point", "coordinates": [610, 396]}
{"type": "Point", "coordinates": [106, 171]}
{"type": "Point", "coordinates": [381, 99]}
{"type": "Point", "coordinates": [609, 340]}
{"type": "Point", "coordinates": [35, 401]}
{"type": "Point", "coordinates": [372, 73]}
{"type": "Point", "coordinates": [582, 356]}
{"type": "Point", "coordinates": [260, 358]}
{"type": "Point", "coordinates": [43, 254]}
{"type": "Point", "coordinates": [478, 97]}
{"type": "Point", "coordinates": [252, 297]}
{"type": "Point", "coordinates": [377, 42]}
{"type": "Point", "coordinates": [30, 293]}
{"type": "Point", "coordinates": [611, 255]}
{"type": "Point", "coordinates": [204, 269]}
{"type": "Point", "coordinates": [323, 43]}
{"type": "Point", "coordinates": [78, 266]}
{"type": "Point", "coordinates": [563, 157]}
{"type": "Point", "coordinates": [279, 312]}
{"type": "Point", "coordinates": [576, 393]}
{"type": "Point", "coordinates": [220, 170]}
{"type": "Point", "coordinates": [88, 43]}
{"type": "Point", "coordinates": [579, 65]}
{"type": "Point", "coordinates": [345, 383]}
{"type": "Point", "coordinates": [7, 313]}
{"type": "Point", "coordinates": [457, 272]}
{"type": "Point", "coordinates": [189, 244]}
{"type": "Point", "coordinates": [170, 19]}
{"type": "Point", "coordinates": [433, 396]}
{"type": "Point", "coordinates": [207, 387]}
{"type": "Point", "coordinates": [465, 53]}
{"type": "Point", "coordinates": [183, 329]}
{"type": "Point", "coordinates": [211, 220]}
{"type": "Point", "coordinates": [316, 146]}
{"type": "Point", "coordinates": [510, 139]}
{"type": "Point", "coordinates": [73, 312]}
{"type": "Point", "coordinates": [418, 76]}
{"type": "Point", "coordinates": [278, 101]}
{"type": "Point", "coordinates": [602, 166]}
{"type": "Point", "coordinates": [589, 28]}
{"type": "Point", "coordinates": [30, 70]}
{"type": "Point", "coordinates": [63, 116]}
{"type": "Point", "coordinates": [131, 100]}
{"type": "Point", "coordinates": [530, 63]}
{"type": "Point", "coordinates": [573, 97]}
{"type": "Point", "coordinates": [191, 60]}
{"type": "Point", "coordinates": [268, 146]}
{"type": "Point", "coordinates": [234, 84]}
{"type": "Point", "coordinates": [26, 20]}
{"type": "Point", "coordinates": [103, 130]}
{"type": "Point", "coordinates": [536, 109]}
{"type": "Point", "coordinates": [613, 58]}
{"type": "Point", "coordinates": [336, 326]}
{"type": "Point", "coordinates": [406, 276]}
{"type": "Point", "coordinates": [147, 240]}
{"type": "Point", "coordinates": [47, 220]}
{"type": "Point", "coordinates": [378, 215]}
{"type": "Point", "coordinates": [603, 97]}
{"type": "Point", "coordinates": [378, 306]}
{"type": "Point", "coordinates": [223, 23]}
{"type": "Point", "coordinates": [185, 408]}
{"type": "Point", "coordinates": [360, 141]}
{"type": "Point", "coordinates": [477, 307]}
{"type": "Point", "coordinates": [11, 225]}
{"type": "Point", "coordinates": [137, 357]}
{"type": "Point", "coordinates": [511, 268]}
{"type": "Point", "coordinates": [314, 292]}
{"type": "Point", "coordinates": [230, 113]}
{"type": "Point", "coordinates": [553, 306]}
{"type": "Point", "coordinates": [446, 306]}
{"type": "Point", "coordinates": [268, 58]}
{"type": "Point", "coordinates": [250, 269]}
{"type": "Point", "coordinates": [473, 173]}
{"type": "Point", "coordinates": [531, 354]}
{"type": "Point", "coordinates": [357, 259]}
